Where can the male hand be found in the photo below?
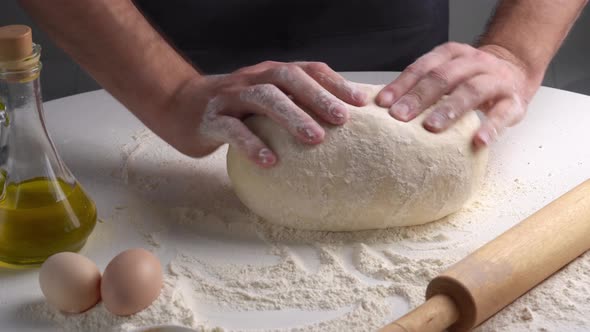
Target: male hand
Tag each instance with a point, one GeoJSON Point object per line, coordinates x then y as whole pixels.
{"type": "Point", "coordinates": [208, 111]}
{"type": "Point", "coordinates": [488, 79]}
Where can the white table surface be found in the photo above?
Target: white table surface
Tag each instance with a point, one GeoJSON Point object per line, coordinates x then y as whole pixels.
{"type": "Point", "coordinates": [550, 149]}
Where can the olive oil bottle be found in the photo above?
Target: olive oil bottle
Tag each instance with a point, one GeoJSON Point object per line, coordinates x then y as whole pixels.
{"type": "Point", "coordinates": [43, 209]}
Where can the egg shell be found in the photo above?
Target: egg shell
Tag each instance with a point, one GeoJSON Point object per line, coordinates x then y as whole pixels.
{"type": "Point", "coordinates": [70, 282]}
{"type": "Point", "coordinates": [131, 282]}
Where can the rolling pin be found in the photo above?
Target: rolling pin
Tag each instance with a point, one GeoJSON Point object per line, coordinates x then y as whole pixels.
{"type": "Point", "coordinates": [495, 275]}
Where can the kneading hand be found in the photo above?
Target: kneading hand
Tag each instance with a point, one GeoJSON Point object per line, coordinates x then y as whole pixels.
{"type": "Point", "coordinates": [473, 78]}
{"type": "Point", "coordinates": [208, 111]}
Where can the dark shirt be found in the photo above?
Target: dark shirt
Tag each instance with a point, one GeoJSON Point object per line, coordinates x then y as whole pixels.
{"type": "Point", "coordinates": [370, 35]}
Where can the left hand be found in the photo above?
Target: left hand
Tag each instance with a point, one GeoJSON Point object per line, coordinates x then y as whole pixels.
{"type": "Point", "coordinates": [484, 79]}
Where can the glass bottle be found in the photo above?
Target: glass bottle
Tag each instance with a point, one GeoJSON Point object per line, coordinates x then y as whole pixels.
{"type": "Point", "coordinates": [43, 209]}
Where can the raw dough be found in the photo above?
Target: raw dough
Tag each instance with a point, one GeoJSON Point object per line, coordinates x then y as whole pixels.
{"type": "Point", "coordinates": [373, 172]}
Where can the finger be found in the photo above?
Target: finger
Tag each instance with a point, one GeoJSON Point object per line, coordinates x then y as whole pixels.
{"type": "Point", "coordinates": [414, 72]}
{"type": "Point", "coordinates": [335, 83]}
{"type": "Point", "coordinates": [306, 91]}
{"type": "Point", "coordinates": [268, 100]}
{"type": "Point", "coordinates": [437, 82]}
{"type": "Point", "coordinates": [467, 96]}
{"type": "Point", "coordinates": [259, 67]}
{"type": "Point", "coordinates": [233, 131]}
{"type": "Point", "coordinates": [505, 113]}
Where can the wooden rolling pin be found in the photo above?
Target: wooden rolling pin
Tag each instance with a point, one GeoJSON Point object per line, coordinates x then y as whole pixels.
{"type": "Point", "coordinates": [495, 275]}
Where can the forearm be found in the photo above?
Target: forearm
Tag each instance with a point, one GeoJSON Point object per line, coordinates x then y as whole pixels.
{"type": "Point", "coordinates": [113, 41]}
{"type": "Point", "coordinates": [529, 33]}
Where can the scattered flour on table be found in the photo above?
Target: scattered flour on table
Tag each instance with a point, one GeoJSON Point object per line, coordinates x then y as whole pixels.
{"type": "Point", "coordinates": [561, 303]}
{"type": "Point", "coordinates": [357, 273]}
{"type": "Point", "coordinates": [289, 285]}
{"type": "Point", "coordinates": [169, 308]}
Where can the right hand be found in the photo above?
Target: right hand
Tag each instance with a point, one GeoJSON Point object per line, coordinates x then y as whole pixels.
{"type": "Point", "coordinates": [208, 110]}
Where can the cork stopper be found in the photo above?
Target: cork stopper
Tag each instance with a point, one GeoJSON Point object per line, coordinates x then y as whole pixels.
{"type": "Point", "coordinates": [16, 42]}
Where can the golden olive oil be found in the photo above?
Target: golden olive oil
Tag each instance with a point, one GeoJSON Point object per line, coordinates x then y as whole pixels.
{"type": "Point", "coordinates": [40, 217]}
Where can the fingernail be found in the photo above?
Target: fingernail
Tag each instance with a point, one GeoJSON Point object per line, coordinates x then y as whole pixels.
{"type": "Point", "coordinates": [435, 121]}
{"type": "Point", "coordinates": [338, 112]}
{"type": "Point", "coordinates": [386, 99]}
{"type": "Point", "coordinates": [401, 111]}
{"type": "Point", "coordinates": [308, 133]}
{"type": "Point", "coordinates": [359, 96]}
{"type": "Point", "coordinates": [266, 157]}
{"type": "Point", "coordinates": [485, 138]}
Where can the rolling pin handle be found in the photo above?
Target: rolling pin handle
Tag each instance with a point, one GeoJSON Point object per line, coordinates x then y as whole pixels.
{"type": "Point", "coordinates": [435, 315]}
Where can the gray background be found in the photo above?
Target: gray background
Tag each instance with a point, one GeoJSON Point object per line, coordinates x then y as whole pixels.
{"type": "Point", "coordinates": [570, 69]}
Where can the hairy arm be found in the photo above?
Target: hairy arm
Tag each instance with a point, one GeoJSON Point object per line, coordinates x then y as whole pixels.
{"type": "Point", "coordinates": [194, 113]}
{"type": "Point", "coordinates": [529, 33]}
{"type": "Point", "coordinates": [113, 41]}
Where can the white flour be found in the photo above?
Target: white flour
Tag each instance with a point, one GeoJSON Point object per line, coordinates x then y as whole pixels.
{"type": "Point", "coordinates": [357, 281]}
{"type": "Point", "coordinates": [170, 308]}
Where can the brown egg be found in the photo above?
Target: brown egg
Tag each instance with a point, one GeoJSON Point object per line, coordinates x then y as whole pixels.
{"type": "Point", "coordinates": [70, 282]}
{"type": "Point", "coordinates": [131, 282]}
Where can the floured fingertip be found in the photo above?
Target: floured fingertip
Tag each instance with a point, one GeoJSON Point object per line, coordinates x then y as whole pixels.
{"type": "Point", "coordinates": [485, 137]}
{"type": "Point", "coordinates": [311, 134]}
{"type": "Point", "coordinates": [266, 158]}
{"type": "Point", "coordinates": [385, 99]}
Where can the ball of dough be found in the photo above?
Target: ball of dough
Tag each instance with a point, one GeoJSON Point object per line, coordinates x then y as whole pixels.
{"type": "Point", "coordinates": [373, 172]}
